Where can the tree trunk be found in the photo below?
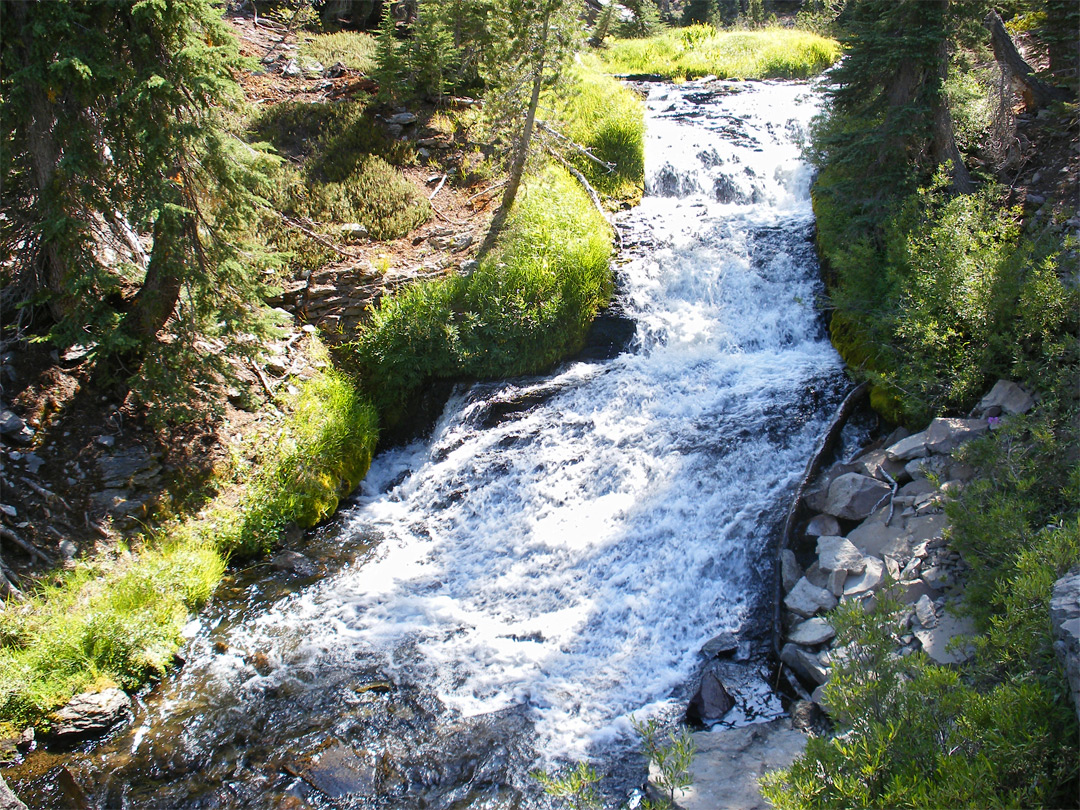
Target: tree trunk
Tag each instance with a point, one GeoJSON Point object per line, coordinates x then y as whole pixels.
{"type": "Point", "coordinates": [943, 145]}
{"type": "Point", "coordinates": [521, 154]}
{"type": "Point", "coordinates": [156, 299]}
{"type": "Point", "coordinates": [1034, 92]}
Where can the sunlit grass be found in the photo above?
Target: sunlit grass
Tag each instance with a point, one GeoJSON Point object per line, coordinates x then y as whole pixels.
{"type": "Point", "coordinates": [354, 50]}
{"type": "Point", "coordinates": [701, 50]}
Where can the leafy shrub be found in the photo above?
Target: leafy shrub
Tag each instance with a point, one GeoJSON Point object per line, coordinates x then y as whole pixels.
{"type": "Point", "coordinates": [528, 305]}
{"type": "Point", "coordinates": [701, 50]}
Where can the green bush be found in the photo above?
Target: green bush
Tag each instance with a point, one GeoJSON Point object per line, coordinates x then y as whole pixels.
{"type": "Point", "coordinates": [526, 306]}
{"type": "Point", "coordinates": [700, 50]}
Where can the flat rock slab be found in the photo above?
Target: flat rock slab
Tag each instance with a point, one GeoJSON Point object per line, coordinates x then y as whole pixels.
{"type": "Point", "coordinates": [854, 497]}
{"type": "Point", "coordinates": [936, 640]}
{"type": "Point", "coordinates": [729, 763]}
{"type": "Point", "coordinates": [839, 554]}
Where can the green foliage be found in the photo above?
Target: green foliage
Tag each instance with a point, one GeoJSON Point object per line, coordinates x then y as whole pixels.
{"type": "Point", "coordinates": [526, 306]}
{"type": "Point", "coordinates": [644, 20]}
{"type": "Point", "coordinates": [672, 758]}
{"type": "Point", "coordinates": [353, 49]}
{"type": "Point", "coordinates": [119, 622]}
{"type": "Point", "coordinates": [701, 50]}
{"type": "Point", "coordinates": [607, 118]}
{"type": "Point", "coordinates": [577, 787]}
{"type": "Point", "coordinates": [389, 59]}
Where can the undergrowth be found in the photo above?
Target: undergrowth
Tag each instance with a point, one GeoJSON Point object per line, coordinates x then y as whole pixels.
{"type": "Point", "coordinates": [118, 621]}
{"type": "Point", "coordinates": [529, 304]}
{"type": "Point", "coordinates": [702, 50]}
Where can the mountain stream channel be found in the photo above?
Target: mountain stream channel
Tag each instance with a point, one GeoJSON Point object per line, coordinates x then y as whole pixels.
{"type": "Point", "coordinates": [511, 592]}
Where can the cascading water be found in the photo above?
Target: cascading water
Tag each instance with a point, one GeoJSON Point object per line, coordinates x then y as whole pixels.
{"type": "Point", "coordinates": [517, 588]}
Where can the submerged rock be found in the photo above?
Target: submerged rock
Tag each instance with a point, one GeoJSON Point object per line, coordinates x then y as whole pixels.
{"type": "Point", "coordinates": [339, 772]}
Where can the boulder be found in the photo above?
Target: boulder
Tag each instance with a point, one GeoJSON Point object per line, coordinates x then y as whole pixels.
{"type": "Point", "coordinates": [937, 642]}
{"type": "Point", "coordinates": [720, 645]}
{"type": "Point", "coordinates": [944, 435]}
{"type": "Point", "coordinates": [789, 569]}
{"type": "Point", "coordinates": [1065, 623]}
{"type": "Point", "coordinates": [921, 528]}
{"type": "Point", "coordinates": [913, 446]}
{"type": "Point", "coordinates": [817, 576]}
{"type": "Point", "coordinates": [822, 525]}
{"type": "Point", "coordinates": [1006, 395]}
{"type": "Point", "coordinates": [869, 580]}
{"type": "Point", "coordinates": [812, 632]}
{"type": "Point", "coordinates": [835, 585]}
{"type": "Point", "coordinates": [804, 663]}
{"type": "Point", "coordinates": [879, 540]}
{"type": "Point", "coordinates": [923, 468]}
{"type": "Point", "coordinates": [91, 714]}
{"type": "Point", "coordinates": [13, 427]}
{"type": "Point", "coordinates": [710, 703]}
{"type": "Point", "coordinates": [876, 463]}
{"type": "Point", "coordinates": [130, 467]}
{"type": "Point", "coordinates": [402, 118]}
{"type": "Point", "coordinates": [726, 768]}
{"type": "Point", "coordinates": [807, 600]}
{"type": "Point", "coordinates": [854, 497]}
{"type": "Point", "coordinates": [838, 554]}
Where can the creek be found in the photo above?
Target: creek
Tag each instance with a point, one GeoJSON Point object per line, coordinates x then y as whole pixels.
{"type": "Point", "coordinates": [508, 593]}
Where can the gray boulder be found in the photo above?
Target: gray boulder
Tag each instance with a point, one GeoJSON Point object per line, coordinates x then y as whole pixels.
{"type": "Point", "coordinates": [807, 600]}
{"type": "Point", "coordinates": [876, 464]}
{"type": "Point", "coordinates": [820, 525]}
{"type": "Point", "coordinates": [938, 642]}
{"type": "Point", "coordinates": [804, 663]}
{"type": "Point", "coordinates": [1009, 397]}
{"type": "Point", "coordinates": [89, 715]}
{"type": "Point", "coordinates": [812, 632]}
{"type": "Point", "coordinates": [926, 613]}
{"type": "Point", "coordinates": [854, 497]}
{"type": "Point", "coordinates": [906, 449]}
{"type": "Point", "coordinates": [944, 435]}
{"type": "Point", "coordinates": [838, 554]}
{"type": "Point", "coordinates": [879, 540]}
{"type": "Point", "coordinates": [710, 703]}
{"type": "Point", "coordinates": [1065, 621]}
{"type": "Point", "coordinates": [13, 427]}
{"type": "Point", "coordinates": [789, 569]}
{"type": "Point", "coordinates": [869, 580]}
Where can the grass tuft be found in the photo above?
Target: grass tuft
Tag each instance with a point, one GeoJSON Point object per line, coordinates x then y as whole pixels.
{"type": "Point", "coordinates": [701, 50]}
{"type": "Point", "coordinates": [353, 49]}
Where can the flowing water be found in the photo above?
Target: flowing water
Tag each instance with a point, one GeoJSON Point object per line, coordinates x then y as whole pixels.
{"type": "Point", "coordinates": [511, 592]}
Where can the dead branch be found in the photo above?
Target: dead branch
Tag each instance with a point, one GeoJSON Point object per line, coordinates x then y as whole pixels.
{"type": "Point", "coordinates": [588, 189]}
{"type": "Point", "coordinates": [577, 147]}
{"type": "Point", "coordinates": [1033, 91]}
{"type": "Point", "coordinates": [48, 495]}
{"type": "Point", "coordinates": [318, 237]}
{"type": "Point", "coordinates": [262, 378]}
{"type": "Point", "coordinates": [29, 548]}
{"type": "Point", "coordinates": [438, 188]}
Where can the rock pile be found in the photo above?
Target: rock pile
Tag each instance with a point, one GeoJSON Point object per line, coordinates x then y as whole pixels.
{"type": "Point", "coordinates": [879, 523]}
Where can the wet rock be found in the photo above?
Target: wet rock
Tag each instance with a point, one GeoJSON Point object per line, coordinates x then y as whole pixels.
{"type": "Point", "coordinates": [804, 663]}
{"type": "Point", "coordinates": [807, 600]}
{"type": "Point", "coordinates": [710, 703]}
{"type": "Point", "coordinates": [728, 764]}
{"type": "Point", "coordinates": [89, 715]}
{"type": "Point", "coordinates": [1009, 397]}
{"type": "Point", "coordinates": [838, 554]}
{"type": "Point", "coordinates": [812, 632]}
{"type": "Point", "coordinates": [8, 799]}
{"type": "Point", "coordinates": [945, 435]}
{"type": "Point", "coordinates": [790, 572]}
{"type": "Point", "coordinates": [869, 580]}
{"type": "Point", "coordinates": [295, 563]}
{"type": "Point", "coordinates": [339, 772]}
{"type": "Point", "coordinates": [854, 497]}
{"type": "Point", "coordinates": [821, 525]}
{"type": "Point", "coordinates": [937, 642]}
{"type": "Point", "coordinates": [720, 645]}
{"type": "Point", "coordinates": [1065, 622]}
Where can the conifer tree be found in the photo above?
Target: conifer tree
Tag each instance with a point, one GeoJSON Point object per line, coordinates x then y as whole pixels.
{"type": "Point", "coordinates": [116, 131]}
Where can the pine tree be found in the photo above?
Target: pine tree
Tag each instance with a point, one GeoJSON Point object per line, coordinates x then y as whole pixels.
{"type": "Point", "coordinates": [116, 132]}
{"type": "Point", "coordinates": [390, 67]}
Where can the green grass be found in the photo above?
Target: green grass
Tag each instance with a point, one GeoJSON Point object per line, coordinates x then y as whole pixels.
{"type": "Point", "coordinates": [527, 306]}
{"type": "Point", "coordinates": [606, 117]}
{"type": "Point", "coordinates": [353, 49]}
{"type": "Point", "coordinates": [119, 621]}
{"type": "Point", "coordinates": [701, 50]}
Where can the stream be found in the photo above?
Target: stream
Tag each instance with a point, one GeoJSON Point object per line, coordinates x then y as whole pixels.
{"type": "Point", "coordinates": [513, 591]}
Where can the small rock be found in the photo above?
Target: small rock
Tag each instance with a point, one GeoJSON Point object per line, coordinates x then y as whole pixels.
{"type": "Point", "coordinates": [88, 715]}
{"type": "Point", "coordinates": [9, 510]}
{"type": "Point", "coordinates": [308, 329]}
{"type": "Point", "coordinates": [292, 69]}
{"type": "Point", "coordinates": [33, 462]}
{"type": "Point", "coordinates": [354, 230]}
{"type": "Point", "coordinates": [838, 554]}
{"type": "Point", "coordinates": [337, 70]}
{"type": "Point", "coordinates": [1035, 199]}
{"type": "Point", "coordinates": [868, 580]}
{"type": "Point", "coordinates": [402, 119]}
{"type": "Point", "coordinates": [936, 577]}
{"type": "Point", "coordinates": [68, 550]}
{"type": "Point", "coordinates": [807, 600]}
{"type": "Point", "coordinates": [817, 576]}
{"type": "Point", "coordinates": [106, 440]}
{"type": "Point", "coordinates": [836, 582]}
{"type": "Point", "coordinates": [925, 612]}
{"type": "Point", "coordinates": [277, 364]}
{"type": "Point", "coordinates": [804, 663]}
{"type": "Point", "coordinates": [710, 703]}
{"type": "Point", "coordinates": [925, 467]}
{"type": "Point", "coordinates": [15, 428]}
{"type": "Point", "coordinates": [461, 241]}
{"type": "Point", "coordinates": [913, 446]}
{"type": "Point", "coordinates": [720, 645]}
{"type": "Point", "coordinates": [812, 632]}
{"type": "Point", "coordinates": [820, 525]}
{"type": "Point", "coordinates": [294, 562]}
{"type": "Point", "coordinates": [339, 772]}
{"type": "Point", "coordinates": [394, 130]}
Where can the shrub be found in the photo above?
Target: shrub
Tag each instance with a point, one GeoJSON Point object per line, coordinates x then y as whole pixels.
{"type": "Point", "coordinates": [528, 305]}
